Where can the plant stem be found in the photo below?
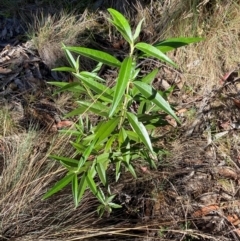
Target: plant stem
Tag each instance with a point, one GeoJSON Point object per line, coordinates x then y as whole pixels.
{"type": "Point", "coordinates": [124, 108]}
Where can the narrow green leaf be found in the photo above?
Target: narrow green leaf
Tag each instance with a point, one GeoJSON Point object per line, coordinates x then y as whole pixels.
{"type": "Point", "coordinates": [101, 173]}
{"type": "Point", "coordinates": [118, 170]}
{"type": "Point", "coordinates": [59, 185]}
{"type": "Point", "coordinates": [70, 57]}
{"type": "Point", "coordinates": [154, 52]}
{"type": "Point", "coordinates": [122, 82]}
{"type": "Point", "coordinates": [133, 136]}
{"type": "Point", "coordinates": [103, 158]}
{"type": "Point", "coordinates": [173, 43]}
{"type": "Point", "coordinates": [138, 30]}
{"type": "Point", "coordinates": [96, 86]}
{"type": "Point", "coordinates": [101, 193]}
{"type": "Point", "coordinates": [114, 205]}
{"type": "Point", "coordinates": [150, 77]}
{"type": "Point", "coordinates": [67, 161]}
{"type": "Point", "coordinates": [81, 188]}
{"type": "Point", "coordinates": [97, 68]}
{"type": "Point", "coordinates": [122, 137]}
{"type": "Point", "coordinates": [77, 65]}
{"type": "Point", "coordinates": [97, 108]}
{"type": "Point", "coordinates": [105, 129]}
{"type": "Point", "coordinates": [75, 189]}
{"type": "Point", "coordinates": [94, 76]}
{"type": "Point", "coordinates": [131, 170]}
{"type": "Point", "coordinates": [149, 160]}
{"type": "Point", "coordinates": [135, 73]}
{"type": "Point", "coordinates": [93, 187]}
{"type": "Point", "coordinates": [89, 138]}
{"type": "Point", "coordinates": [74, 87]}
{"type": "Point", "coordinates": [84, 168]}
{"type": "Point", "coordinates": [91, 183]}
{"type": "Point", "coordinates": [119, 21]}
{"type": "Point", "coordinates": [88, 150]}
{"type": "Point", "coordinates": [96, 55]}
{"type": "Point", "coordinates": [146, 79]}
{"type": "Point", "coordinates": [77, 111]}
{"type": "Point", "coordinates": [109, 144]}
{"type": "Point", "coordinates": [124, 144]}
{"type": "Point", "coordinates": [151, 94]}
{"type": "Point", "coordinates": [100, 210]}
{"type": "Point", "coordinates": [110, 198]}
{"type": "Point", "coordinates": [121, 31]}
{"type": "Point", "coordinates": [83, 147]}
{"type": "Point", "coordinates": [140, 129]}
{"type": "Point", "coordinates": [79, 147]}
{"type": "Point", "coordinates": [142, 108]}
{"type": "Point", "coordinates": [64, 69]}
{"type": "Point", "coordinates": [70, 132]}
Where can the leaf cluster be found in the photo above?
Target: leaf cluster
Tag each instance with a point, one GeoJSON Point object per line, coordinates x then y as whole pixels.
{"type": "Point", "coordinates": [123, 134]}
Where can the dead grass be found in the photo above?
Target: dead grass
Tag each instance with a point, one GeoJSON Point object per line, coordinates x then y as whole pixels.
{"type": "Point", "coordinates": [8, 126]}
{"type": "Point", "coordinates": [25, 176]}
{"type": "Point", "coordinates": [218, 23]}
{"type": "Point", "coordinates": [48, 32]}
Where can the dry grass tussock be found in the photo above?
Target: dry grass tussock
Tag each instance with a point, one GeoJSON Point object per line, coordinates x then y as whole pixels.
{"type": "Point", "coordinates": [218, 23]}
{"type": "Point", "coordinates": [48, 32]}
{"type": "Point", "coordinates": [26, 173]}
{"type": "Point", "coordinates": [8, 126]}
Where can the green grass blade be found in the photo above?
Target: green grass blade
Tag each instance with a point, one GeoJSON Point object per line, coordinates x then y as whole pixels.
{"type": "Point", "coordinates": [140, 129]}
{"type": "Point", "coordinates": [96, 55]}
{"type": "Point", "coordinates": [122, 82]}
{"type": "Point", "coordinates": [59, 185]}
{"type": "Point", "coordinates": [154, 52]}
{"type": "Point", "coordinates": [151, 94]}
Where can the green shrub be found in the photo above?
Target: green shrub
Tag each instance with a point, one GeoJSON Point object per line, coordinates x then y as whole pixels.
{"type": "Point", "coordinates": [122, 134]}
